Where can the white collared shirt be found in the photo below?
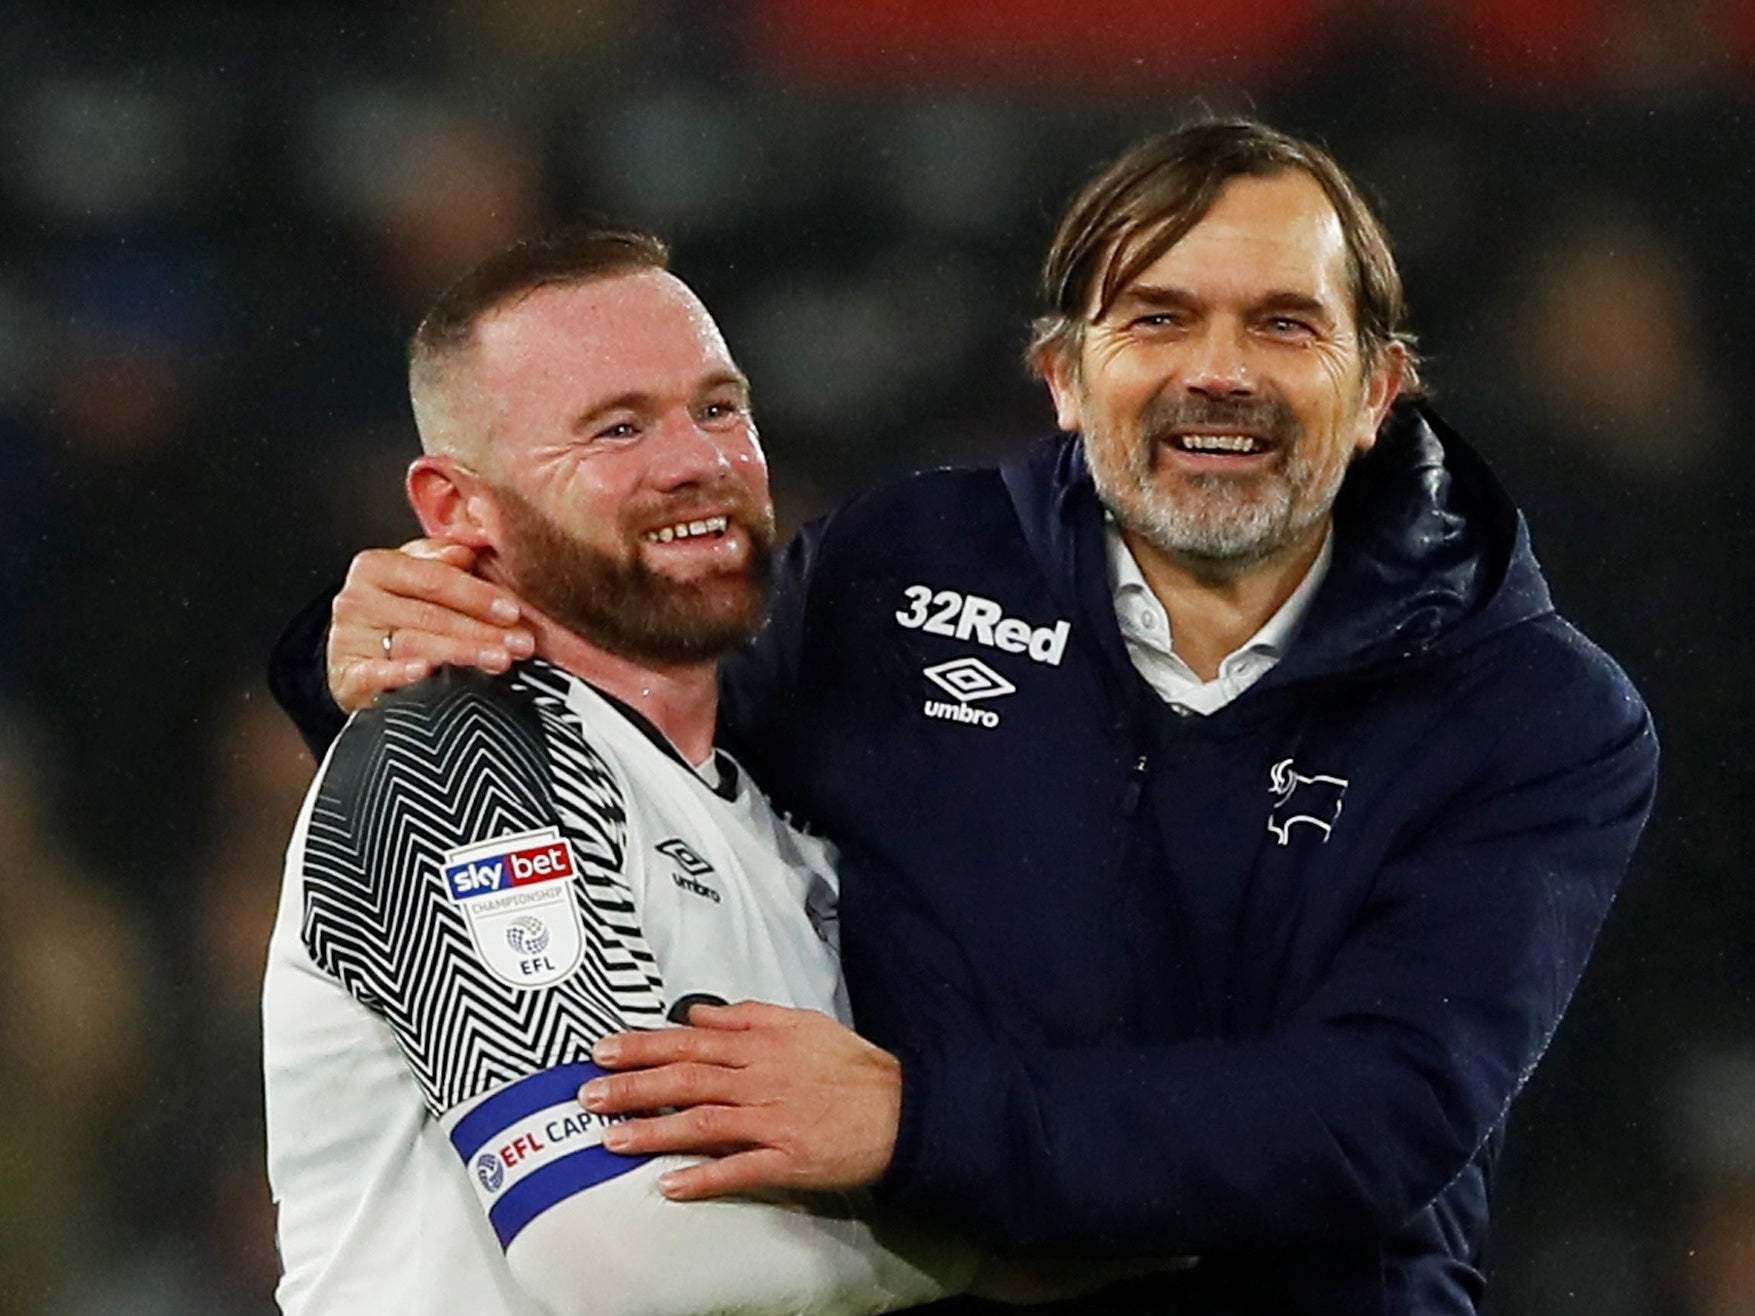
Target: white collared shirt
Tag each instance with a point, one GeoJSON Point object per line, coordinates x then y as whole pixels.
{"type": "Point", "coordinates": [1145, 628]}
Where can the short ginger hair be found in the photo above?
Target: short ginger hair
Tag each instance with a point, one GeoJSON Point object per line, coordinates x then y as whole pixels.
{"type": "Point", "coordinates": [564, 256]}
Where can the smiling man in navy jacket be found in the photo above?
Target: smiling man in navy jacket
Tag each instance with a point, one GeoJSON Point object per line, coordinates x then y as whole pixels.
{"type": "Point", "coordinates": [1226, 815]}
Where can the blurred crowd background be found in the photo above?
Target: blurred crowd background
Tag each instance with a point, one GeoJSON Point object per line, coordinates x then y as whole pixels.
{"type": "Point", "coordinates": [219, 223]}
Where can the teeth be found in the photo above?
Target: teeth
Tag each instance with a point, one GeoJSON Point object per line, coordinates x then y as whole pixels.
{"type": "Point", "coordinates": [1219, 443]}
{"type": "Point", "coordinates": [712, 525]}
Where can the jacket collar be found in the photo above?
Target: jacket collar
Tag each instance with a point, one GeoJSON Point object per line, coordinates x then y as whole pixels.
{"type": "Point", "coordinates": [1429, 552]}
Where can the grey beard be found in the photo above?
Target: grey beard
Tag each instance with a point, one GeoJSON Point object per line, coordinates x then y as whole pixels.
{"type": "Point", "coordinates": [1223, 525]}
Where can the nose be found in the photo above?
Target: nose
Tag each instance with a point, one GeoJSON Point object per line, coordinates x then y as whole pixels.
{"type": "Point", "coordinates": [686, 454]}
{"type": "Point", "coordinates": [1220, 368]}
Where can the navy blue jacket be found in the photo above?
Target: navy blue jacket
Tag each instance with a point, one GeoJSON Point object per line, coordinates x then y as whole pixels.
{"type": "Point", "coordinates": [1130, 1017]}
{"type": "Point", "coordinates": [1258, 986]}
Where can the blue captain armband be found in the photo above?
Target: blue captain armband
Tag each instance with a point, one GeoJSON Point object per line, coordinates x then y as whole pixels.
{"type": "Point", "coordinates": [531, 1145]}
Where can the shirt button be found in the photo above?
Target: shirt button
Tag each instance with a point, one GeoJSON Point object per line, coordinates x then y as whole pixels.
{"type": "Point", "coordinates": [1148, 619]}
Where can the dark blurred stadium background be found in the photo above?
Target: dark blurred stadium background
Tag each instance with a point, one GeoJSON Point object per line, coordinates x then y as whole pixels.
{"type": "Point", "coordinates": [218, 223]}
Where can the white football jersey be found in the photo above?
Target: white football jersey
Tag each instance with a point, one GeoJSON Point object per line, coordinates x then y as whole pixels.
{"type": "Point", "coordinates": [488, 875]}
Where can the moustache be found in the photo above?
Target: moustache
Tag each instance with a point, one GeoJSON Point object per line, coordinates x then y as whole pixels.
{"type": "Point", "coordinates": [1269, 417]}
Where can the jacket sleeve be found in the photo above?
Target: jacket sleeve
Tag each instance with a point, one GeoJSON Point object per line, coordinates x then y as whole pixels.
{"type": "Point", "coordinates": [758, 685]}
{"type": "Point", "coordinates": [1359, 1108]}
{"type": "Point", "coordinates": [298, 676]}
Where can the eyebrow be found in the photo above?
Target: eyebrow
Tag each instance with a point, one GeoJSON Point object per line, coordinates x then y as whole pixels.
{"type": "Point", "coordinates": [638, 400]}
{"type": "Point", "coordinates": [1295, 301]}
{"type": "Point", "coordinates": [1151, 294]}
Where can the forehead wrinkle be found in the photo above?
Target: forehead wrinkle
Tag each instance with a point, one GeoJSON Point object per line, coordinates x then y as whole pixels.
{"type": "Point", "coordinates": [567, 355]}
{"type": "Point", "coordinates": [1279, 227]}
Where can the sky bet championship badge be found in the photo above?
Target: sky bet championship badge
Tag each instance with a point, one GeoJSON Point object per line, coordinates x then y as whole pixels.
{"type": "Point", "coordinates": [516, 893]}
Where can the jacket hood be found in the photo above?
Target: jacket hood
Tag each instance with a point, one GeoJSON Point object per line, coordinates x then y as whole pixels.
{"type": "Point", "coordinates": [1430, 554]}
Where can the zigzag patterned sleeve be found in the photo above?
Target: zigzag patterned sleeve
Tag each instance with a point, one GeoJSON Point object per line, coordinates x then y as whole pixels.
{"type": "Point", "coordinates": [463, 879]}
{"type": "Point", "coordinates": [457, 776]}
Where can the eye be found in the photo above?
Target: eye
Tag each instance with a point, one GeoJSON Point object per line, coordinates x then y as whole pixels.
{"type": "Point", "coordinates": [621, 429]}
{"type": "Point", "coordinates": [721, 409]}
{"type": "Point", "coordinates": [1156, 320]}
{"type": "Point", "coordinates": [1288, 326]}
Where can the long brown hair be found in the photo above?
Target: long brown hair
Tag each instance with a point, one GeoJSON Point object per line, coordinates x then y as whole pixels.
{"type": "Point", "coordinates": [1138, 206]}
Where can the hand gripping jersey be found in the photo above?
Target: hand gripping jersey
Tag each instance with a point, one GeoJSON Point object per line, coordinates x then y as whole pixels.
{"type": "Point", "coordinates": [488, 875]}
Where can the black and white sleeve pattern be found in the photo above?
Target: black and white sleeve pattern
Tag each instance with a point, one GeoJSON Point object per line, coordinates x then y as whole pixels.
{"type": "Point", "coordinates": [464, 879]}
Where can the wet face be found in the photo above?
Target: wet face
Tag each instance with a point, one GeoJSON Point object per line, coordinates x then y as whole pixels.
{"type": "Point", "coordinates": [1224, 393]}
{"type": "Point", "coordinates": [629, 491]}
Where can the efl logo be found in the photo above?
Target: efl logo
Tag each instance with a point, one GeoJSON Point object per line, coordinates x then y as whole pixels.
{"type": "Point", "coordinates": [516, 893]}
{"type": "Point", "coordinates": [968, 679]}
{"type": "Point", "coordinates": [485, 873]}
{"type": "Point", "coordinates": [490, 1172]}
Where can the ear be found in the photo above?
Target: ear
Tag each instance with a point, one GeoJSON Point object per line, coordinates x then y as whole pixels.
{"type": "Point", "coordinates": [1060, 371]}
{"type": "Point", "coordinates": [1382, 386]}
{"type": "Point", "coordinates": [450, 501]}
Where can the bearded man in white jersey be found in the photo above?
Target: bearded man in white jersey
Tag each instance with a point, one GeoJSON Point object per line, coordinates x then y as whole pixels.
{"type": "Point", "coordinates": [491, 873]}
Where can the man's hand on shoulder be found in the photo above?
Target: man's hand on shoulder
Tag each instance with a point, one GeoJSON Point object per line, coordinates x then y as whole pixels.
{"type": "Point", "coordinates": [783, 1098]}
{"type": "Point", "coordinates": [404, 612]}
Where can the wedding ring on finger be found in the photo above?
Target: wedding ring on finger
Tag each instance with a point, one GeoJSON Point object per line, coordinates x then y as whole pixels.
{"type": "Point", "coordinates": [386, 641]}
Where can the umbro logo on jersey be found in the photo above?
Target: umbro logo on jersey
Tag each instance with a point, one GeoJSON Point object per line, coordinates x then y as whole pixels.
{"type": "Point", "coordinates": [970, 617]}
{"type": "Point", "coordinates": [695, 888]}
{"type": "Point", "coordinates": [1312, 799]}
{"type": "Point", "coordinates": [968, 679]}
{"type": "Point", "coordinates": [693, 868]}
{"type": "Point", "coordinates": [678, 852]}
